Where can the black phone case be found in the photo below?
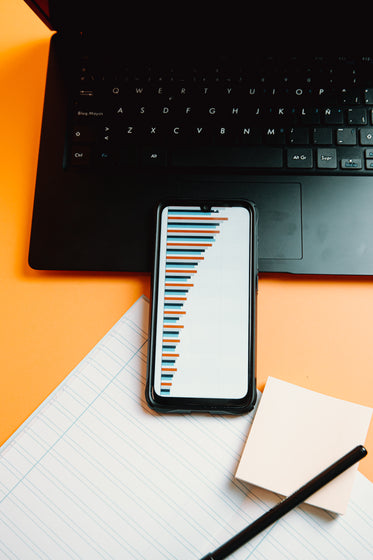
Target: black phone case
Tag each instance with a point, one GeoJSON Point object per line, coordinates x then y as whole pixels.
{"type": "Point", "coordinates": [186, 405]}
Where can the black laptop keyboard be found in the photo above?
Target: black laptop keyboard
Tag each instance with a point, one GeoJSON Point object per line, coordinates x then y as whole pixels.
{"type": "Point", "coordinates": [286, 116]}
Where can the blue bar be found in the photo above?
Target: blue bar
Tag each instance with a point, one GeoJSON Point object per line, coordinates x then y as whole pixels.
{"type": "Point", "coordinates": [190, 238]}
{"type": "Point", "coordinates": [186, 252]}
{"type": "Point", "coordinates": [176, 292]}
{"type": "Point", "coordinates": [189, 212]}
{"type": "Point", "coordinates": [178, 278]}
{"type": "Point", "coordinates": [182, 265]}
{"type": "Point", "coordinates": [192, 226]}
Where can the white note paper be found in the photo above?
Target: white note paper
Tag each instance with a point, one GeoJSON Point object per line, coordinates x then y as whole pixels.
{"type": "Point", "coordinates": [296, 434]}
{"type": "Point", "coordinates": [94, 474]}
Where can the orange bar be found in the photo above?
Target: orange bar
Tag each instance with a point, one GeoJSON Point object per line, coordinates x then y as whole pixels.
{"type": "Point", "coordinates": [173, 284]}
{"type": "Point", "coordinates": [166, 384]}
{"type": "Point", "coordinates": [188, 271]}
{"type": "Point", "coordinates": [168, 369]}
{"type": "Point", "coordinates": [175, 298]}
{"type": "Point", "coordinates": [189, 244]}
{"type": "Point", "coordinates": [184, 258]}
{"type": "Point", "coordinates": [166, 312]}
{"type": "Point", "coordinates": [194, 231]}
{"type": "Point", "coordinates": [192, 218]}
{"type": "Point", "coordinates": [171, 355]}
{"type": "Point", "coordinates": [170, 340]}
{"type": "Point", "coordinates": [173, 327]}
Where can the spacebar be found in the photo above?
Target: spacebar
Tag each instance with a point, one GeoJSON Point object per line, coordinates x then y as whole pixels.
{"type": "Point", "coordinates": [224, 156]}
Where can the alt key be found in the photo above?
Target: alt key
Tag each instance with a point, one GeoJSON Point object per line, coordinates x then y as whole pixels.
{"type": "Point", "coordinates": [300, 158]}
{"type": "Point", "coordinates": [153, 157]}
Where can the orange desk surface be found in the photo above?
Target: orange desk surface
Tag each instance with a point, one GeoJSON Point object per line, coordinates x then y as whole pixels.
{"type": "Point", "coordinates": [312, 331]}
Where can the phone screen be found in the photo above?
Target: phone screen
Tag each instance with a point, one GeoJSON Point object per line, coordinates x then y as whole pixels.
{"type": "Point", "coordinates": [201, 347]}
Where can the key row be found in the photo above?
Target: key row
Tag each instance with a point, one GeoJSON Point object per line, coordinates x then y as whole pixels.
{"type": "Point", "coordinates": [341, 136]}
{"type": "Point", "coordinates": [240, 157]}
{"type": "Point", "coordinates": [359, 116]}
{"type": "Point", "coordinates": [89, 87]}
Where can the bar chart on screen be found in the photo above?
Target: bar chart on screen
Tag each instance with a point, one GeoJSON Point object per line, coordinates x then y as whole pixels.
{"type": "Point", "coordinates": [191, 234]}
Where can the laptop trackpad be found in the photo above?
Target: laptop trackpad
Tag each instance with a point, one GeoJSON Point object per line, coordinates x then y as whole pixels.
{"type": "Point", "coordinates": [279, 208]}
{"type": "Point", "coordinates": [280, 219]}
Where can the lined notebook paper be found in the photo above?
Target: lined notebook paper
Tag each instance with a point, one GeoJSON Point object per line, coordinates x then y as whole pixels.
{"type": "Point", "coordinates": [94, 474]}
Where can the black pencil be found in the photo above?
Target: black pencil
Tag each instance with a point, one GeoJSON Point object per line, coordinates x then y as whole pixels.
{"type": "Point", "coordinates": [288, 504]}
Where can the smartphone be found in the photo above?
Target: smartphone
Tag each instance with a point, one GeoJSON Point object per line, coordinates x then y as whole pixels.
{"type": "Point", "coordinates": [201, 354]}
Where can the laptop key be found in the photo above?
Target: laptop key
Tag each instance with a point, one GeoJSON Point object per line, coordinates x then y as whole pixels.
{"type": "Point", "coordinates": [327, 158]}
{"type": "Point", "coordinates": [80, 155]}
{"type": "Point", "coordinates": [224, 156]}
{"type": "Point", "coordinates": [357, 115]}
{"type": "Point", "coordinates": [153, 157]}
{"type": "Point", "coordinates": [368, 96]}
{"type": "Point", "coordinates": [83, 134]}
{"type": "Point", "coordinates": [274, 136]}
{"type": "Point", "coordinates": [351, 163]}
{"type": "Point", "coordinates": [346, 136]}
{"type": "Point", "coordinates": [323, 136]}
{"type": "Point", "coordinates": [298, 136]}
{"type": "Point", "coordinates": [333, 115]}
{"type": "Point", "coordinates": [300, 158]}
{"type": "Point", "coordinates": [366, 136]}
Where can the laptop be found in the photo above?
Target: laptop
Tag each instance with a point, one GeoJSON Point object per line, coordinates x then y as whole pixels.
{"type": "Point", "coordinates": [145, 107]}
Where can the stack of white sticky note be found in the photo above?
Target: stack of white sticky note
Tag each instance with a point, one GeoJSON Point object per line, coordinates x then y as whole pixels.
{"type": "Point", "coordinates": [297, 433]}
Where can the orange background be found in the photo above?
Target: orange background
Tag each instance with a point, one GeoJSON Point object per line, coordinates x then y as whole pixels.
{"type": "Point", "coordinates": [312, 331]}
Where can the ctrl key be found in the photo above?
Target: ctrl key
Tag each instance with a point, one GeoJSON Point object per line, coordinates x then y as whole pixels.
{"type": "Point", "coordinates": [80, 155]}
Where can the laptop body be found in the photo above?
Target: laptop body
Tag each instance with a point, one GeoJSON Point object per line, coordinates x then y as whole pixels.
{"type": "Point", "coordinates": [94, 204]}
